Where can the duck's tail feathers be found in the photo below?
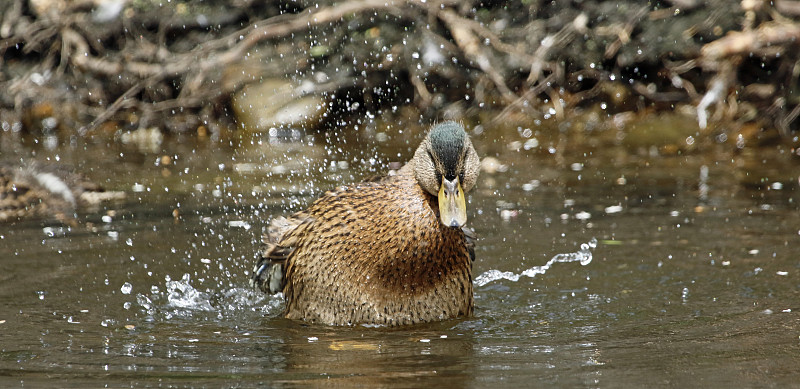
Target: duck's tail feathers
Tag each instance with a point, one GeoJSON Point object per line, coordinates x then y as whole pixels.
{"type": "Point", "coordinates": [268, 274]}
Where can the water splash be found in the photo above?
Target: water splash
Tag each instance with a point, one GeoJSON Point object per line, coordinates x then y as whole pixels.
{"type": "Point", "coordinates": [180, 298]}
{"type": "Point", "coordinates": [181, 294]}
{"type": "Point", "coordinates": [584, 256]}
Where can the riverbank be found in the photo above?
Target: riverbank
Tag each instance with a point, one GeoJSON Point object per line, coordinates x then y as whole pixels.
{"type": "Point", "coordinates": [88, 68]}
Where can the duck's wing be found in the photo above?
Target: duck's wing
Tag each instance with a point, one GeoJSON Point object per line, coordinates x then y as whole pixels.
{"type": "Point", "coordinates": [277, 244]}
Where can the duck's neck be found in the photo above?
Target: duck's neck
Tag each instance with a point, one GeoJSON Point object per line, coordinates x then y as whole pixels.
{"type": "Point", "coordinates": [407, 169]}
{"type": "Point", "coordinates": [421, 168]}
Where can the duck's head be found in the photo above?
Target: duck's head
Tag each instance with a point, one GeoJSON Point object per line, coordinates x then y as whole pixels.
{"type": "Point", "coordinates": [446, 166]}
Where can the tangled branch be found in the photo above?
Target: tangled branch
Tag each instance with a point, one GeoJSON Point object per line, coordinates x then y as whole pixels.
{"type": "Point", "coordinates": [516, 59]}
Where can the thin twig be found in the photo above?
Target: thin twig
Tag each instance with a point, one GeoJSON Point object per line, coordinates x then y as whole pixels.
{"type": "Point", "coordinates": [472, 49]}
{"type": "Point", "coordinates": [113, 108]}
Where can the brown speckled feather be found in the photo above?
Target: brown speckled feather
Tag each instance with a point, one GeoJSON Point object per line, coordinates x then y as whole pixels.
{"type": "Point", "coordinates": [391, 261]}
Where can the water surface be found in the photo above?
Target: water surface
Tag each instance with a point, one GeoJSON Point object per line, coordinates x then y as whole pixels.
{"type": "Point", "coordinates": [692, 282]}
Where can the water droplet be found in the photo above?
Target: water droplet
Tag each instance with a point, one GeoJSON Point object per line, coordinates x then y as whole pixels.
{"type": "Point", "coordinates": [126, 288]}
{"type": "Point", "coordinates": [685, 294]}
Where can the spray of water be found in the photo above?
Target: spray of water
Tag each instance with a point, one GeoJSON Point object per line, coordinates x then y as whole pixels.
{"type": "Point", "coordinates": [181, 299]}
{"type": "Point", "coordinates": [584, 256]}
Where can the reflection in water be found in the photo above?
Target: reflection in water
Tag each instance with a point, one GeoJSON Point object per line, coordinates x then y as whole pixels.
{"type": "Point", "coordinates": [306, 354]}
{"type": "Point", "coordinates": [374, 357]}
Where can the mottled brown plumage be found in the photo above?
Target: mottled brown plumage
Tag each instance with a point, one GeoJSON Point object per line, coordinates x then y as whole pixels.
{"type": "Point", "coordinates": [380, 252]}
{"type": "Point", "coordinates": [30, 189]}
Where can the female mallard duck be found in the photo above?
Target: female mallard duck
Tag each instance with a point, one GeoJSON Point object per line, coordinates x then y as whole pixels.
{"type": "Point", "coordinates": [29, 189]}
{"type": "Point", "coordinates": [390, 252]}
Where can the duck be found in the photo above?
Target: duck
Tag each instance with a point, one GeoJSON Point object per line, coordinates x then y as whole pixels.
{"type": "Point", "coordinates": [391, 251]}
{"type": "Point", "coordinates": [29, 189]}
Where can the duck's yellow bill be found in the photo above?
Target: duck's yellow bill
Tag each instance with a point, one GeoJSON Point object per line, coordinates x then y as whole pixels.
{"type": "Point", "coordinates": [452, 205]}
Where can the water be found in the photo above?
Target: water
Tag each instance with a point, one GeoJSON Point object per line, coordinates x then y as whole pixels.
{"type": "Point", "coordinates": [609, 270]}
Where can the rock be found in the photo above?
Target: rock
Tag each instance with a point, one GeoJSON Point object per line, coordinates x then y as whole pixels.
{"type": "Point", "coordinates": [278, 103]}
